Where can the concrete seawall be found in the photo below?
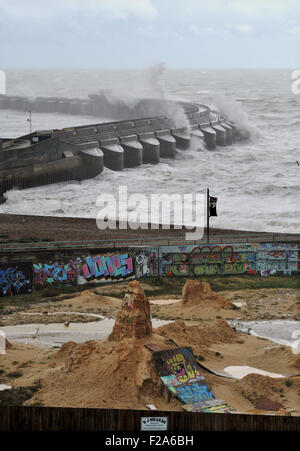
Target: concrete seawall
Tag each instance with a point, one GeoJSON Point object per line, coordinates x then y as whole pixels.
{"type": "Point", "coordinates": [77, 153]}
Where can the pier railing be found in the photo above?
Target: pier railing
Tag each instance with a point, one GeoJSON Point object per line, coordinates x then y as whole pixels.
{"type": "Point", "coordinates": [145, 241]}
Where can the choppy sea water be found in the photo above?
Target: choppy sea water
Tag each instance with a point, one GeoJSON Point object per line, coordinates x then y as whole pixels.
{"type": "Point", "coordinates": [257, 182]}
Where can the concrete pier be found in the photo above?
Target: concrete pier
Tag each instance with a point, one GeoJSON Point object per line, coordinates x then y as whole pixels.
{"type": "Point", "coordinates": [113, 154]}
{"type": "Point", "coordinates": [167, 144]}
{"type": "Point", "coordinates": [209, 136]}
{"type": "Point", "coordinates": [197, 137]}
{"type": "Point", "coordinates": [183, 138]}
{"type": "Point", "coordinates": [228, 130]}
{"type": "Point", "coordinates": [93, 157]}
{"type": "Point", "coordinates": [234, 131]}
{"type": "Point", "coordinates": [151, 147]}
{"type": "Point", "coordinates": [133, 151]}
{"type": "Point", "coordinates": [220, 134]}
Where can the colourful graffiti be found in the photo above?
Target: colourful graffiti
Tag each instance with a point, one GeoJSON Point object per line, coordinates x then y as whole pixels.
{"type": "Point", "coordinates": [273, 257]}
{"type": "Point", "coordinates": [57, 272]}
{"type": "Point", "coordinates": [186, 260]}
{"type": "Point", "coordinates": [192, 393]}
{"type": "Point", "coordinates": [180, 373]}
{"type": "Point", "coordinates": [145, 262]}
{"type": "Point", "coordinates": [113, 266]}
{"type": "Point", "coordinates": [207, 260]}
{"type": "Point", "coordinates": [179, 363]}
{"type": "Point", "coordinates": [15, 279]}
{"type": "Point", "coordinates": [209, 406]}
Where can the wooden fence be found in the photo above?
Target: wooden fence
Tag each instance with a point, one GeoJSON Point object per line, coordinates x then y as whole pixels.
{"type": "Point", "coordinates": [14, 418]}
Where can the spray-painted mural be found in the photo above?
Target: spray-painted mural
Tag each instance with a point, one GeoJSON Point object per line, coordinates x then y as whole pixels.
{"type": "Point", "coordinates": [57, 272]}
{"type": "Point", "coordinates": [146, 262]}
{"type": "Point", "coordinates": [15, 278]}
{"type": "Point", "coordinates": [181, 374]}
{"type": "Point", "coordinates": [205, 260]}
{"type": "Point", "coordinates": [273, 257]}
{"type": "Point", "coordinates": [111, 266]}
{"type": "Point", "coordinates": [186, 260]}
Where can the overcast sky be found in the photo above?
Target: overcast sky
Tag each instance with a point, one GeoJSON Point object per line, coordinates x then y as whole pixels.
{"type": "Point", "coordinates": [138, 33]}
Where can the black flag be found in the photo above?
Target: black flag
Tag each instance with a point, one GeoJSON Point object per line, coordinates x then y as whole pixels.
{"type": "Point", "coordinates": [213, 206]}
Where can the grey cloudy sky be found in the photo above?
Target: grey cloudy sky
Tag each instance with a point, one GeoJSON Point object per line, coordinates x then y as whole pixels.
{"type": "Point", "coordinates": [136, 33]}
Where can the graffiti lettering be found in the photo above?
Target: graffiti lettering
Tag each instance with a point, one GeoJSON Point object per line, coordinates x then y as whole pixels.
{"type": "Point", "coordinates": [114, 266]}
{"type": "Point", "coordinates": [15, 280]}
{"type": "Point", "coordinates": [195, 392]}
{"type": "Point", "coordinates": [57, 272]}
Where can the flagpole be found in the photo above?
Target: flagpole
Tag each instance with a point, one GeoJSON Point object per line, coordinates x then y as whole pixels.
{"type": "Point", "coordinates": [207, 215]}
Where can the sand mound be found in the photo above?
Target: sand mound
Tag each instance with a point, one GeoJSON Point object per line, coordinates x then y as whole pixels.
{"type": "Point", "coordinates": [106, 374]}
{"type": "Point", "coordinates": [118, 372]}
{"type": "Point", "coordinates": [133, 318]}
{"type": "Point", "coordinates": [8, 345]}
{"type": "Point", "coordinates": [269, 358]}
{"type": "Point", "coordinates": [199, 293]}
{"type": "Point", "coordinates": [253, 386]}
{"type": "Point", "coordinates": [66, 349]}
{"type": "Point", "coordinates": [217, 332]}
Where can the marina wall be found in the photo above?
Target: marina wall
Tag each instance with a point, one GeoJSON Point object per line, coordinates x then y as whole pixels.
{"type": "Point", "coordinates": [38, 270]}
{"type": "Point", "coordinates": [77, 153]}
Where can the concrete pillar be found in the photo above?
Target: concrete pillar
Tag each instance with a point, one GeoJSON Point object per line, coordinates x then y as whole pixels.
{"type": "Point", "coordinates": [234, 130]}
{"type": "Point", "coordinates": [209, 136]}
{"type": "Point", "coordinates": [228, 130]}
{"type": "Point", "coordinates": [113, 154]}
{"type": "Point", "coordinates": [221, 134]}
{"type": "Point", "coordinates": [133, 151]}
{"type": "Point", "coordinates": [183, 138]}
{"type": "Point", "coordinates": [167, 144]}
{"type": "Point", "coordinates": [197, 136]}
{"type": "Point", "coordinates": [150, 147]}
{"type": "Point", "coordinates": [93, 160]}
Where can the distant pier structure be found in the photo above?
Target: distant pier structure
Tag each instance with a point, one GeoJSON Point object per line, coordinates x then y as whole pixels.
{"type": "Point", "coordinates": [143, 133]}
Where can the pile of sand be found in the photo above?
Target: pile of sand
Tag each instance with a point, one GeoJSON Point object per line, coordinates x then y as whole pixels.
{"type": "Point", "coordinates": [118, 372]}
{"type": "Point", "coordinates": [8, 345]}
{"type": "Point", "coordinates": [133, 318]}
{"type": "Point", "coordinates": [219, 331]}
{"type": "Point", "coordinates": [269, 359]}
{"type": "Point", "coordinates": [252, 386]}
{"type": "Point", "coordinates": [199, 293]}
{"type": "Point", "coordinates": [198, 302]}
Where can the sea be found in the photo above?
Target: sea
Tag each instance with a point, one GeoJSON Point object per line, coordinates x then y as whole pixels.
{"type": "Point", "coordinates": [256, 181]}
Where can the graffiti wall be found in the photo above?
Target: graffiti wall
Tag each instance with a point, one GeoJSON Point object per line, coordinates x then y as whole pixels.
{"type": "Point", "coordinates": [146, 262]}
{"type": "Point", "coordinates": [15, 278]}
{"type": "Point", "coordinates": [245, 258]}
{"type": "Point", "coordinates": [124, 264]}
{"type": "Point", "coordinates": [110, 266]}
{"type": "Point", "coordinates": [56, 273]}
{"type": "Point", "coordinates": [273, 257]}
{"type": "Point", "coordinates": [206, 260]}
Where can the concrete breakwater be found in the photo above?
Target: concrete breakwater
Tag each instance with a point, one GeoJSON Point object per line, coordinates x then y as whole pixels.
{"type": "Point", "coordinates": [77, 153]}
